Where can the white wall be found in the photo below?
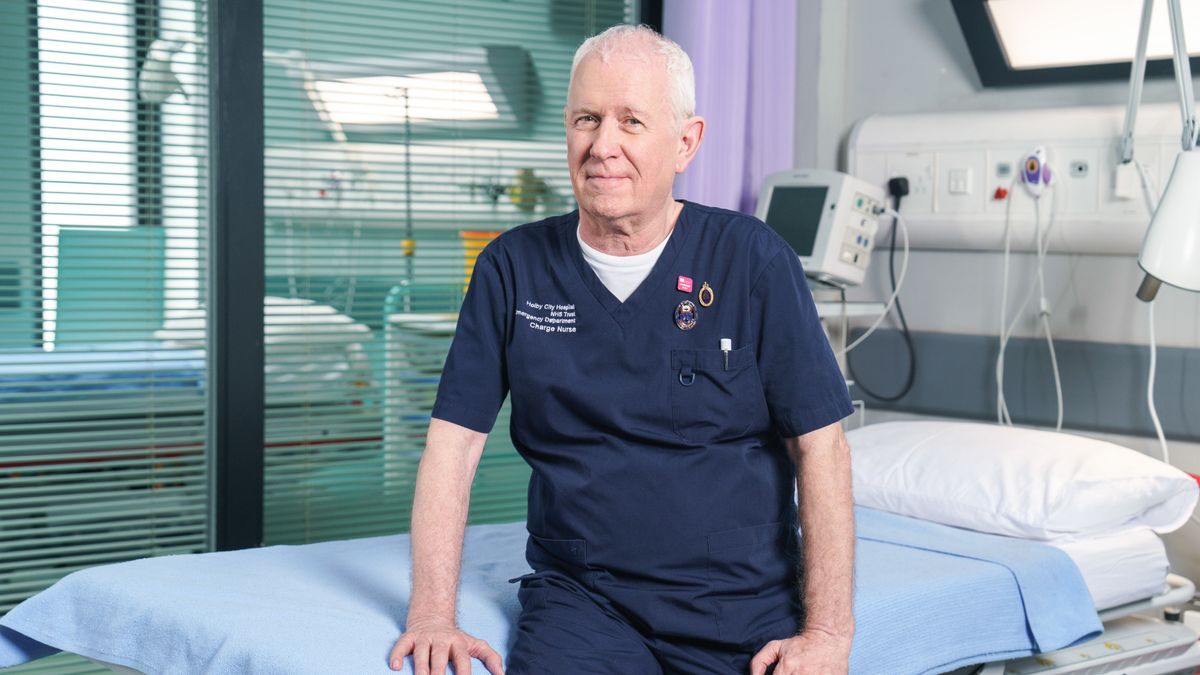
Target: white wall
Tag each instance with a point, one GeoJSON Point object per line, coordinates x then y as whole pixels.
{"type": "Point", "coordinates": [899, 56]}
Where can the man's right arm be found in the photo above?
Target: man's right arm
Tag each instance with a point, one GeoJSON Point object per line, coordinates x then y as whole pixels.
{"type": "Point", "coordinates": [443, 494]}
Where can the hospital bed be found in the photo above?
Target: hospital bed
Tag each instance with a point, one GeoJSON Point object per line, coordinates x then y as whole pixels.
{"type": "Point", "coordinates": [314, 357]}
{"type": "Point", "coordinates": [929, 599]}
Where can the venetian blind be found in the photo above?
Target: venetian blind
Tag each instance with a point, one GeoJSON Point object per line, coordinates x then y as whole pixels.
{"type": "Point", "coordinates": [401, 136]}
{"type": "Point", "coordinates": [102, 239]}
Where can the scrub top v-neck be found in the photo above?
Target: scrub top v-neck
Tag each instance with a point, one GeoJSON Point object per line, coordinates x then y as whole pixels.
{"type": "Point", "coordinates": [659, 478]}
{"type": "Point", "coordinates": [621, 311]}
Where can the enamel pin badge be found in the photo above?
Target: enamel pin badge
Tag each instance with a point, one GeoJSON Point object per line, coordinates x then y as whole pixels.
{"type": "Point", "coordinates": [705, 295]}
{"type": "Point", "coordinates": [683, 284]}
{"type": "Point", "coordinates": [685, 315]}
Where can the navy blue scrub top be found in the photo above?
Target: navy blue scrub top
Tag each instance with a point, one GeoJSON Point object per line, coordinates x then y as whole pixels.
{"type": "Point", "coordinates": [658, 471]}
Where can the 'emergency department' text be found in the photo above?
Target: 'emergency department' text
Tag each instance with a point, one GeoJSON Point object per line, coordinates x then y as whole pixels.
{"type": "Point", "coordinates": [548, 317]}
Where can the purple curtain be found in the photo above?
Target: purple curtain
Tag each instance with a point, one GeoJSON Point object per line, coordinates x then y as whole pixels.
{"type": "Point", "coordinates": [745, 59]}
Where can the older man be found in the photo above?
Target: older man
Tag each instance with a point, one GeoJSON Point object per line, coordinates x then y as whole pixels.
{"type": "Point", "coordinates": [669, 382]}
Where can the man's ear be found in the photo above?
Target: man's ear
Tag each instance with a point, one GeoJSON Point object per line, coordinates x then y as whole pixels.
{"type": "Point", "coordinates": [690, 138]}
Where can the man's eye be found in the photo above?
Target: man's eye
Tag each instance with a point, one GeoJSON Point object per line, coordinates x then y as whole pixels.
{"type": "Point", "coordinates": [584, 120]}
{"type": "Point", "coordinates": [633, 121]}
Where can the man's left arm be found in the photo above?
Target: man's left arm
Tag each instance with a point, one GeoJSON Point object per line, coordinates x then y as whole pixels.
{"type": "Point", "coordinates": [824, 486]}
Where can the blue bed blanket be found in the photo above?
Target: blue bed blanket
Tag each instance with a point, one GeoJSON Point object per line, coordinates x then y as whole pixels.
{"type": "Point", "coordinates": [928, 598]}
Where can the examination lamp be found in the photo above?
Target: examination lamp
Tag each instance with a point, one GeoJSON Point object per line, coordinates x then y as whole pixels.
{"type": "Point", "coordinates": [1171, 248]}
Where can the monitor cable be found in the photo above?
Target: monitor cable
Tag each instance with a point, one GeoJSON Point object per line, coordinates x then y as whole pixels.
{"type": "Point", "coordinates": [898, 189]}
{"type": "Point", "coordinates": [1158, 430]}
{"type": "Point", "coordinates": [899, 281]}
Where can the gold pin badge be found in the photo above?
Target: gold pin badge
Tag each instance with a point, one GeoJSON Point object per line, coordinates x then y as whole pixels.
{"type": "Point", "coordinates": [706, 300]}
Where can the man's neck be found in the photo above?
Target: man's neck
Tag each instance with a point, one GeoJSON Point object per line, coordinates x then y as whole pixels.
{"type": "Point", "coordinates": [629, 235]}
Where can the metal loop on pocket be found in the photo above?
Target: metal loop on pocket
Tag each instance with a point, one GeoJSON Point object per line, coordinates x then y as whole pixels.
{"type": "Point", "coordinates": [687, 377]}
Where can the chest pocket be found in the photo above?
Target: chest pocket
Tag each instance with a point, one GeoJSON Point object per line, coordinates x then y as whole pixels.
{"type": "Point", "coordinates": [713, 401]}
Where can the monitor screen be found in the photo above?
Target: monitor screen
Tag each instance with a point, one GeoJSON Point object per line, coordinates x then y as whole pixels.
{"type": "Point", "coordinates": [795, 213]}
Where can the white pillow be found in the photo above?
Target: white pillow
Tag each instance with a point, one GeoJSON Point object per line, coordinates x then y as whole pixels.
{"type": "Point", "coordinates": [1015, 482]}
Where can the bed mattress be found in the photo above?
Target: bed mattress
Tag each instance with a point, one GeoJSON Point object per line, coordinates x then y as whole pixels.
{"type": "Point", "coordinates": [1117, 569]}
{"type": "Point", "coordinates": [1120, 568]}
{"type": "Point", "coordinates": [338, 606]}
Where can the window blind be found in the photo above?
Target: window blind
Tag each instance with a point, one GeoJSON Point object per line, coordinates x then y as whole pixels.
{"type": "Point", "coordinates": [102, 239]}
{"type": "Point", "coordinates": [401, 136]}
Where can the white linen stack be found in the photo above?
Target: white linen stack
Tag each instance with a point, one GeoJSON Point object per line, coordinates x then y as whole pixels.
{"type": "Point", "coordinates": [1102, 504]}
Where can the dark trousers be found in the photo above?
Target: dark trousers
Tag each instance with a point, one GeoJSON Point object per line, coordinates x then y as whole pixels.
{"type": "Point", "coordinates": [566, 628]}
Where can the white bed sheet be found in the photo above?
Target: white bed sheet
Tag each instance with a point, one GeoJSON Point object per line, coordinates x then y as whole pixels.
{"type": "Point", "coordinates": [1121, 568]}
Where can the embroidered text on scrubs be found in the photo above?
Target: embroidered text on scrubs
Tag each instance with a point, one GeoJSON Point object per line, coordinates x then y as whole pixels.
{"type": "Point", "coordinates": [550, 317]}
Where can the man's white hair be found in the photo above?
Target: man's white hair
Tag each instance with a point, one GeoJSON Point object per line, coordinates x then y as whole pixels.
{"type": "Point", "coordinates": [641, 41]}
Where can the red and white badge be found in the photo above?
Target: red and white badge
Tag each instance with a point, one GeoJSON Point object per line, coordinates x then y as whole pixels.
{"type": "Point", "coordinates": [684, 284]}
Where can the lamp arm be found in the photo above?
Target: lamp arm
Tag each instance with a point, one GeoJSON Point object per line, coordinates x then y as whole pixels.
{"type": "Point", "coordinates": [1183, 76]}
{"type": "Point", "coordinates": [1137, 76]}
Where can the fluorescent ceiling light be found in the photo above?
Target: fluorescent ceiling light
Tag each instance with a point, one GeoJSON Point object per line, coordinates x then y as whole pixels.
{"type": "Point", "coordinates": [1057, 33]}
{"type": "Point", "coordinates": [481, 88]}
{"type": "Point", "coordinates": [384, 99]}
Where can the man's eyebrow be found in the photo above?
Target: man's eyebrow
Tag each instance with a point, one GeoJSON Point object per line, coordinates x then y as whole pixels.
{"type": "Point", "coordinates": [589, 110]}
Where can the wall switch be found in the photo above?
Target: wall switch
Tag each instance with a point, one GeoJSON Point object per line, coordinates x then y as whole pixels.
{"type": "Point", "coordinates": [959, 181]}
{"type": "Point", "coordinates": [1126, 182]}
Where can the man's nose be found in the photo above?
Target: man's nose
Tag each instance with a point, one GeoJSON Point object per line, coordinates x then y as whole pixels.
{"type": "Point", "coordinates": [606, 143]}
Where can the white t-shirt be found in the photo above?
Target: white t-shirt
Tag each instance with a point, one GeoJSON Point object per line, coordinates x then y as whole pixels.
{"type": "Point", "coordinates": [621, 274]}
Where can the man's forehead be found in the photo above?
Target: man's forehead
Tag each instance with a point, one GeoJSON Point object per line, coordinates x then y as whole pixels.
{"type": "Point", "coordinates": [623, 65]}
{"type": "Point", "coordinates": [624, 83]}
{"type": "Point", "coordinates": [628, 53]}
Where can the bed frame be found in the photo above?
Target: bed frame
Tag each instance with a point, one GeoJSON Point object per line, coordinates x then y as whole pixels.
{"type": "Point", "coordinates": [1135, 642]}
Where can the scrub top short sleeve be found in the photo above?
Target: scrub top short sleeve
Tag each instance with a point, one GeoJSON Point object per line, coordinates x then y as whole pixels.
{"type": "Point", "coordinates": [801, 379]}
{"type": "Point", "coordinates": [474, 380]}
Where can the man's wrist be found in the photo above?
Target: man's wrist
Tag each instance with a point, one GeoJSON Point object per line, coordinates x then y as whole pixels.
{"type": "Point", "coordinates": [841, 632]}
{"type": "Point", "coordinates": [430, 618]}
{"type": "Point", "coordinates": [428, 622]}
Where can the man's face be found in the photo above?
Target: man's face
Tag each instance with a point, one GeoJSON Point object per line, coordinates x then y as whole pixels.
{"type": "Point", "coordinates": [623, 147]}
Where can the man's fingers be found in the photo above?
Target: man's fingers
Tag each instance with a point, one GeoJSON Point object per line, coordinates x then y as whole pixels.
{"type": "Point", "coordinates": [462, 661]}
{"type": "Point", "coordinates": [401, 649]}
{"type": "Point", "coordinates": [439, 657]}
{"type": "Point", "coordinates": [433, 655]}
{"type": "Point", "coordinates": [421, 657]}
{"type": "Point", "coordinates": [766, 656]}
{"type": "Point", "coordinates": [490, 657]}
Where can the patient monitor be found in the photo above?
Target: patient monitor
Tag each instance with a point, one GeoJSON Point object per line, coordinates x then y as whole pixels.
{"type": "Point", "coordinates": [829, 218]}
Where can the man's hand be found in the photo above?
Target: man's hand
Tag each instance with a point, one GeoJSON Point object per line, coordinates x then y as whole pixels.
{"type": "Point", "coordinates": [813, 652]}
{"type": "Point", "coordinates": [434, 644]}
